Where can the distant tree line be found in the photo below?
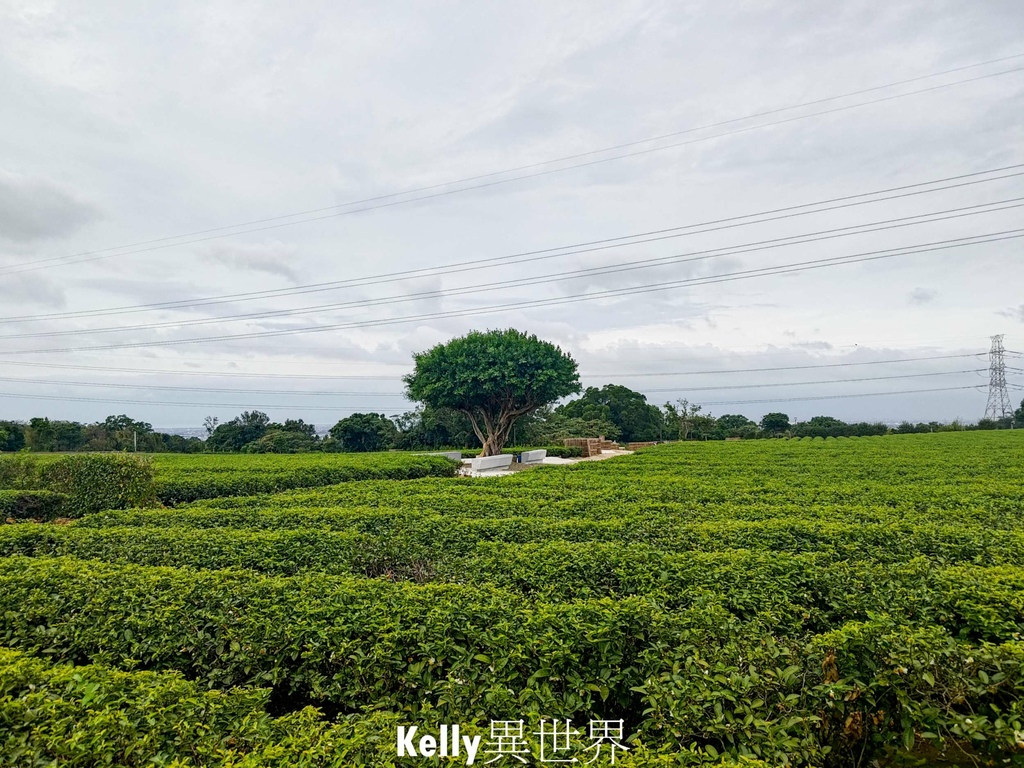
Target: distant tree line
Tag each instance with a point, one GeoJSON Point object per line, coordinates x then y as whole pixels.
{"type": "Point", "coordinates": [616, 412]}
{"type": "Point", "coordinates": [115, 433]}
{"type": "Point", "coordinates": [485, 390]}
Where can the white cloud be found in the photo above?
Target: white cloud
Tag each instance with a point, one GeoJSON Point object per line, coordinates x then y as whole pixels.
{"type": "Point", "coordinates": [920, 296]}
{"type": "Point", "coordinates": [1013, 313]}
{"type": "Point", "coordinates": [273, 258]}
{"type": "Point", "coordinates": [189, 116]}
{"type": "Point", "coordinates": [33, 292]}
{"type": "Point", "coordinates": [37, 208]}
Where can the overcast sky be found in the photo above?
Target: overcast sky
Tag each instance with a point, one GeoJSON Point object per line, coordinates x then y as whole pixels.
{"type": "Point", "coordinates": [127, 123]}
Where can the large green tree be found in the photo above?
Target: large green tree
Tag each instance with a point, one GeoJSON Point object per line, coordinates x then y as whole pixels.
{"type": "Point", "coordinates": [775, 423]}
{"type": "Point", "coordinates": [12, 436]}
{"type": "Point", "coordinates": [636, 419]}
{"type": "Point", "coordinates": [362, 432]}
{"type": "Point", "coordinates": [822, 426]}
{"type": "Point", "coordinates": [682, 418]}
{"type": "Point", "coordinates": [45, 435]}
{"type": "Point", "coordinates": [494, 378]}
{"type": "Point", "coordinates": [734, 425]}
{"type": "Point", "coordinates": [234, 435]}
{"type": "Point", "coordinates": [433, 428]}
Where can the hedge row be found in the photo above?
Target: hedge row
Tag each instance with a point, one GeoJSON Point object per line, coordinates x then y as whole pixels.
{"type": "Point", "coordinates": [843, 697]}
{"type": "Point", "coordinates": [88, 716]}
{"type": "Point", "coordinates": [566, 491]}
{"type": "Point", "coordinates": [789, 593]}
{"type": "Point", "coordinates": [88, 482]}
{"type": "Point", "coordinates": [359, 642]}
{"type": "Point", "coordinates": [415, 533]}
{"type": "Point", "coordinates": [349, 643]}
{"type": "Point", "coordinates": [32, 505]}
{"type": "Point", "coordinates": [859, 692]}
{"type": "Point", "coordinates": [191, 478]}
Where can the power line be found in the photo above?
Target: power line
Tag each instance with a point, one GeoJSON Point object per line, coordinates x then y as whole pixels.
{"type": "Point", "coordinates": [803, 367]}
{"type": "Point", "coordinates": [162, 388]}
{"type": "Point", "coordinates": [726, 277]}
{"type": "Point", "coordinates": [393, 377]}
{"type": "Point", "coordinates": [305, 393]}
{"type": "Point", "coordinates": [837, 397]}
{"type": "Point", "coordinates": [238, 374]}
{"type": "Point", "coordinates": [810, 383]}
{"type": "Point", "coordinates": [118, 401]}
{"type": "Point", "coordinates": [888, 344]}
{"type": "Point", "coordinates": [828, 234]}
{"type": "Point", "coordinates": [554, 252]}
{"type": "Point", "coordinates": [105, 253]}
{"type": "Point", "coordinates": [745, 350]}
{"type": "Point", "coordinates": [376, 410]}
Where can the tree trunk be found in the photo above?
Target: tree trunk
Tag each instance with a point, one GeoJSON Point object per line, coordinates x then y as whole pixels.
{"type": "Point", "coordinates": [497, 436]}
{"type": "Point", "coordinates": [494, 433]}
{"type": "Point", "coordinates": [496, 439]}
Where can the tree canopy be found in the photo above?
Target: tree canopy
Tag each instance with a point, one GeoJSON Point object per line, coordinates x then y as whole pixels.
{"type": "Point", "coordinates": [636, 419]}
{"type": "Point", "coordinates": [234, 435]}
{"type": "Point", "coordinates": [362, 432]}
{"type": "Point", "coordinates": [494, 378]}
{"type": "Point", "coordinates": [775, 423]}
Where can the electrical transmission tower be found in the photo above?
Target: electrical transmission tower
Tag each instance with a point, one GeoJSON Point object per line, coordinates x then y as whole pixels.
{"type": "Point", "coordinates": [998, 399]}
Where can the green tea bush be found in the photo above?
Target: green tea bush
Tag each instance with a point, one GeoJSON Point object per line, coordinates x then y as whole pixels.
{"type": "Point", "coordinates": [18, 471]}
{"type": "Point", "coordinates": [349, 643]}
{"type": "Point", "coordinates": [94, 481]}
{"type": "Point", "coordinates": [93, 716]}
{"type": "Point", "coordinates": [32, 505]}
{"type": "Point", "coordinates": [88, 716]}
{"type": "Point", "coordinates": [186, 478]}
{"type": "Point", "coordinates": [813, 603]}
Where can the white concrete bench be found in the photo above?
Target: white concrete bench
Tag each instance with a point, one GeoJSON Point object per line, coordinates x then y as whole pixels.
{"type": "Point", "coordinates": [533, 457]}
{"type": "Point", "coordinates": [453, 455]}
{"type": "Point", "coordinates": [486, 463]}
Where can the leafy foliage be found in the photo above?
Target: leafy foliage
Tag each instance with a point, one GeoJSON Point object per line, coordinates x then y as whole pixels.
{"type": "Point", "coordinates": [12, 436]}
{"type": "Point", "coordinates": [634, 418]}
{"type": "Point", "coordinates": [362, 432]}
{"type": "Point", "coordinates": [493, 378]}
{"type": "Point", "coordinates": [775, 423]}
{"type": "Point", "coordinates": [82, 483]}
{"type": "Point", "coordinates": [32, 505]}
{"type": "Point", "coordinates": [802, 602]}
{"type": "Point", "coordinates": [19, 470]}
{"type": "Point", "coordinates": [548, 426]}
{"type": "Point", "coordinates": [186, 478]}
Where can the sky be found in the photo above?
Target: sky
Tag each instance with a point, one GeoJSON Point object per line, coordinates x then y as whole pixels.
{"type": "Point", "coordinates": [311, 192]}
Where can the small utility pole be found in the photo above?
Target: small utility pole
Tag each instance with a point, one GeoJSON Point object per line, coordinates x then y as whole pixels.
{"type": "Point", "coordinates": [135, 439]}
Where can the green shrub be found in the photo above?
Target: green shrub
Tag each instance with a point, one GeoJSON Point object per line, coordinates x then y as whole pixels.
{"type": "Point", "coordinates": [801, 603]}
{"type": "Point", "coordinates": [95, 481]}
{"type": "Point", "coordinates": [843, 698]}
{"type": "Point", "coordinates": [182, 479]}
{"type": "Point", "coordinates": [19, 471]}
{"type": "Point", "coordinates": [89, 716]}
{"type": "Point", "coordinates": [32, 505]}
{"type": "Point", "coordinates": [92, 716]}
{"type": "Point", "coordinates": [350, 643]}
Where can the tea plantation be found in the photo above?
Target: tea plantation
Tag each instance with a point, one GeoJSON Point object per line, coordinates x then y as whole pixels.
{"type": "Point", "coordinates": [846, 602]}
